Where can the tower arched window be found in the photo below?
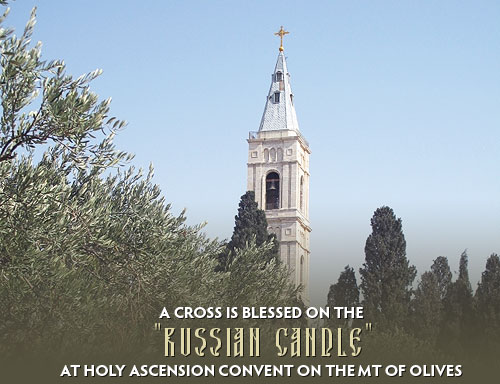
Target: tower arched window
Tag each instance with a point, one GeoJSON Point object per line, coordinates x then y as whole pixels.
{"type": "Point", "coordinates": [279, 76]}
{"type": "Point", "coordinates": [272, 191]}
{"type": "Point", "coordinates": [276, 97]}
{"type": "Point", "coordinates": [301, 270]}
{"type": "Point", "coordinates": [273, 154]}
{"type": "Point", "coordinates": [302, 193]}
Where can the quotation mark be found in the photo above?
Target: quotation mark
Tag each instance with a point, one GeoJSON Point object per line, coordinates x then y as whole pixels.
{"type": "Point", "coordinates": [157, 326]}
{"type": "Point", "coordinates": [368, 326]}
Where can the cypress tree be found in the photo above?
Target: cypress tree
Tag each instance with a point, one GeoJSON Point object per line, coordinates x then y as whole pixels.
{"type": "Point", "coordinates": [427, 308]}
{"type": "Point", "coordinates": [463, 272]}
{"type": "Point", "coordinates": [488, 304]}
{"type": "Point", "coordinates": [344, 293]}
{"type": "Point", "coordinates": [427, 304]}
{"type": "Point", "coordinates": [250, 224]}
{"type": "Point", "coordinates": [456, 334]}
{"type": "Point", "coordinates": [441, 269]}
{"type": "Point", "coordinates": [386, 275]}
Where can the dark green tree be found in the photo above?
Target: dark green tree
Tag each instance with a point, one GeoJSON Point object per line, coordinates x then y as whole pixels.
{"type": "Point", "coordinates": [344, 293]}
{"type": "Point", "coordinates": [428, 301]}
{"type": "Point", "coordinates": [250, 225]}
{"type": "Point", "coordinates": [458, 312]}
{"type": "Point", "coordinates": [427, 308]}
{"type": "Point", "coordinates": [441, 269]}
{"type": "Point", "coordinates": [463, 272]}
{"type": "Point", "coordinates": [488, 305]}
{"type": "Point", "coordinates": [386, 275]}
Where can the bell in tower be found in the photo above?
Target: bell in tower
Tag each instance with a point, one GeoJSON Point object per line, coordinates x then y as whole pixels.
{"type": "Point", "coordinates": [272, 191]}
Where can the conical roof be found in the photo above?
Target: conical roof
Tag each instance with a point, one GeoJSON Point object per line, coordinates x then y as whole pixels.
{"type": "Point", "coordinates": [279, 112]}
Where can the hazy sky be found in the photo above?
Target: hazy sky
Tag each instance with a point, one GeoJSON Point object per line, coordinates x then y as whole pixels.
{"type": "Point", "coordinates": [399, 100]}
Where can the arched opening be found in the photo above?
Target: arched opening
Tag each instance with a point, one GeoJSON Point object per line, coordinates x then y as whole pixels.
{"type": "Point", "coordinates": [279, 76]}
{"type": "Point", "coordinates": [272, 191]}
{"type": "Point", "coordinates": [302, 193]}
{"type": "Point", "coordinates": [301, 271]}
{"type": "Point", "coordinates": [273, 154]}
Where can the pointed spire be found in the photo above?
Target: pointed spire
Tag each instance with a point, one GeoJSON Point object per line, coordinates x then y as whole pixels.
{"type": "Point", "coordinates": [279, 112]}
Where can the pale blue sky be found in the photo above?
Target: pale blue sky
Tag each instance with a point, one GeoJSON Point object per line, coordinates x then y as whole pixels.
{"type": "Point", "coordinates": [399, 101]}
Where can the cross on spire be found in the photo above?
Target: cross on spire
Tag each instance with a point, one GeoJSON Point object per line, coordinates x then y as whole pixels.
{"type": "Point", "coordinates": [281, 33]}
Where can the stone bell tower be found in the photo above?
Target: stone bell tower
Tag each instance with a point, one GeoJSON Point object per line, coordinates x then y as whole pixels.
{"type": "Point", "coordinates": [278, 173]}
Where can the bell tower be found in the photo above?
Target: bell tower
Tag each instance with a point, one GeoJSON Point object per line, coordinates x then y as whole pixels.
{"type": "Point", "coordinates": [278, 173]}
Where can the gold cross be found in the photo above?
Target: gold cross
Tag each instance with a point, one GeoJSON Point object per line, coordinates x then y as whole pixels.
{"type": "Point", "coordinates": [281, 33]}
